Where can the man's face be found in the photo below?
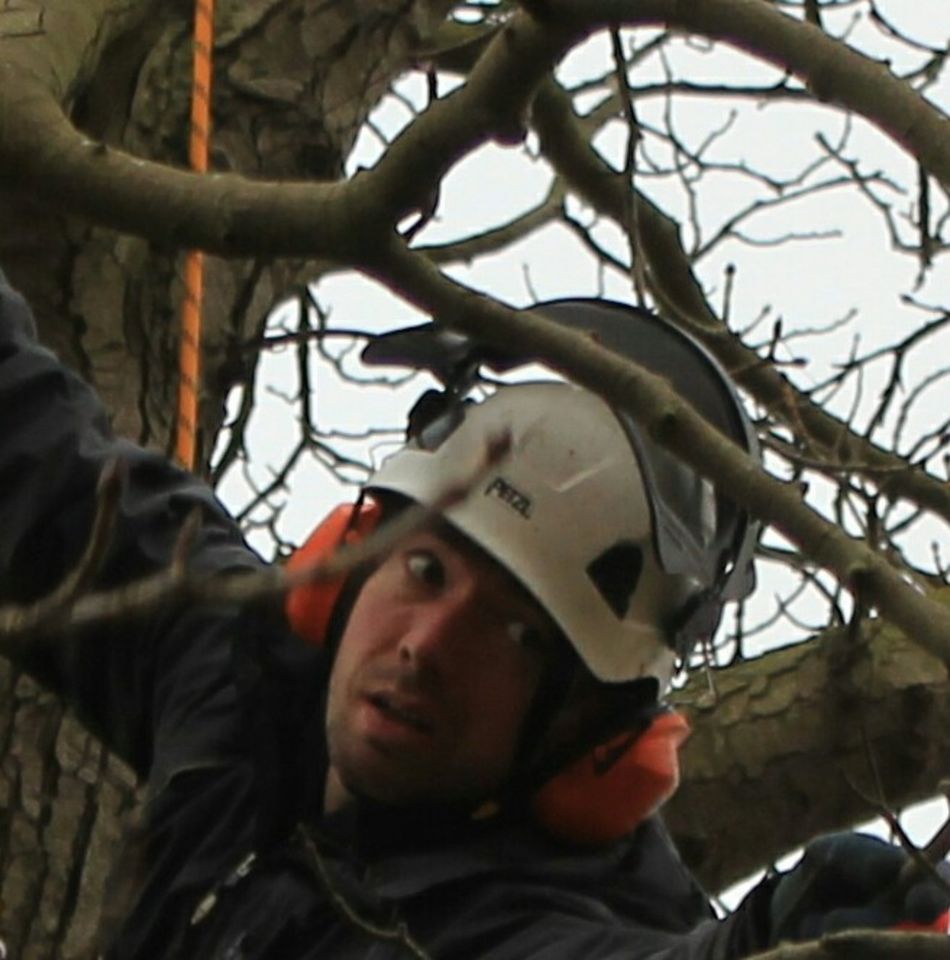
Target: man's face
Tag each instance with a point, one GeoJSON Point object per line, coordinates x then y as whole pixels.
{"type": "Point", "coordinates": [437, 667]}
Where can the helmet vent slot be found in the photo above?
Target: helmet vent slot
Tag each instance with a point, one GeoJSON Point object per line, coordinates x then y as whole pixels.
{"type": "Point", "coordinates": [615, 573]}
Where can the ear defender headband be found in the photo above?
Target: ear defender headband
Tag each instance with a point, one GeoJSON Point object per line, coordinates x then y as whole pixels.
{"type": "Point", "coordinates": [309, 607]}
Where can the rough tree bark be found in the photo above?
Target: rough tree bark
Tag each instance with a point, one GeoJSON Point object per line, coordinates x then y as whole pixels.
{"type": "Point", "coordinates": [811, 737]}
{"type": "Point", "coordinates": [293, 82]}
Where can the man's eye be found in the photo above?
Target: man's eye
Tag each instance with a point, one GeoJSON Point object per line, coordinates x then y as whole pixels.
{"type": "Point", "coordinates": [426, 568]}
{"type": "Point", "coordinates": [525, 635]}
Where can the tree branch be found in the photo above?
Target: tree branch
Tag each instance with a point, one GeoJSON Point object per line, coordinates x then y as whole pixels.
{"type": "Point", "coordinates": [673, 423]}
{"type": "Point", "coordinates": [64, 610]}
{"type": "Point", "coordinates": [833, 71]}
{"type": "Point", "coordinates": [680, 295]}
{"type": "Point", "coordinates": [814, 744]}
{"type": "Point", "coordinates": [865, 945]}
{"type": "Point", "coordinates": [230, 215]}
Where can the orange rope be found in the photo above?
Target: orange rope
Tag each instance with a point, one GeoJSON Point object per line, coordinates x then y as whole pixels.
{"type": "Point", "coordinates": [190, 349]}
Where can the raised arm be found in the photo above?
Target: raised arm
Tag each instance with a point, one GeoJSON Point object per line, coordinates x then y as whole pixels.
{"type": "Point", "coordinates": [124, 678]}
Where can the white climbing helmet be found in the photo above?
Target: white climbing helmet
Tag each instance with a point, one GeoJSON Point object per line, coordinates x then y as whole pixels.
{"type": "Point", "coordinates": [630, 552]}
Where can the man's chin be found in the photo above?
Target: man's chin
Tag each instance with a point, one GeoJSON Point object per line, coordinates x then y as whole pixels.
{"type": "Point", "coordinates": [400, 774]}
{"type": "Point", "coordinates": [389, 785]}
{"type": "Point", "coordinates": [393, 791]}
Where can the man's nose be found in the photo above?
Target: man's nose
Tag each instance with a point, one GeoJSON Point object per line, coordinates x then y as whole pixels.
{"type": "Point", "coordinates": [438, 629]}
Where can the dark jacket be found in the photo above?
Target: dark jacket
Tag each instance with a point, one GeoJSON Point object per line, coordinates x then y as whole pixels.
{"type": "Point", "coordinates": [219, 710]}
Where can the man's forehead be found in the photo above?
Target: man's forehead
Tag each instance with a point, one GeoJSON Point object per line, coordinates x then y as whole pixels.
{"type": "Point", "coordinates": [484, 563]}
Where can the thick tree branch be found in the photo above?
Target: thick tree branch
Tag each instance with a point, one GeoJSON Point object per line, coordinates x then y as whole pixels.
{"type": "Point", "coordinates": [674, 424]}
{"type": "Point", "coordinates": [833, 71]}
{"type": "Point", "coordinates": [229, 215]}
{"type": "Point", "coordinates": [795, 732]}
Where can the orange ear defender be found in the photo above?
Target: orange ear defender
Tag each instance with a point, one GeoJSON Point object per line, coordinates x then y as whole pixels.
{"type": "Point", "coordinates": [606, 793]}
{"type": "Point", "coordinates": [310, 606]}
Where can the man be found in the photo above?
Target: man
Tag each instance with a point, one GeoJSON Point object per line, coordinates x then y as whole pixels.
{"type": "Point", "coordinates": [464, 760]}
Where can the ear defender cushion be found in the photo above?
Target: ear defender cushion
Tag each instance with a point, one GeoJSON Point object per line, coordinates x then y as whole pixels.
{"type": "Point", "coordinates": [309, 607]}
{"type": "Point", "coordinates": [606, 793]}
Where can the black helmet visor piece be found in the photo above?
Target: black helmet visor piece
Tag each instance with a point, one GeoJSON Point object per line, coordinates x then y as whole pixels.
{"type": "Point", "coordinates": [692, 532]}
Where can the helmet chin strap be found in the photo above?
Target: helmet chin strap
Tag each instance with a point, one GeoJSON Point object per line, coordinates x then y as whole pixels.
{"type": "Point", "coordinates": [557, 680]}
{"type": "Point", "coordinates": [619, 708]}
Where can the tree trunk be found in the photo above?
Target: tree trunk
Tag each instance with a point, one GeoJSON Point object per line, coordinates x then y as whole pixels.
{"type": "Point", "coordinates": [294, 79]}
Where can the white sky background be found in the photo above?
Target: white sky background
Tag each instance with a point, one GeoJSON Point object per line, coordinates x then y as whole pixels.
{"type": "Point", "coordinates": [809, 283]}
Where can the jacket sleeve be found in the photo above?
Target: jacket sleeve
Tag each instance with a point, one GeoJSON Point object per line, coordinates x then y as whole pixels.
{"type": "Point", "coordinates": [132, 682]}
{"type": "Point", "coordinates": [637, 901]}
{"type": "Point", "coordinates": [522, 927]}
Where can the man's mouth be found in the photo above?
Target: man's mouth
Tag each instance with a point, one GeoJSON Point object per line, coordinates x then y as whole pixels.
{"type": "Point", "coordinates": [402, 711]}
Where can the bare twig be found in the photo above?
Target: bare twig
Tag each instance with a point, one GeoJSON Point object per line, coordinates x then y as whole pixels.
{"type": "Point", "coordinates": [923, 217]}
{"type": "Point", "coordinates": [108, 492]}
{"type": "Point", "coordinates": [631, 213]}
{"type": "Point", "coordinates": [678, 293]}
{"type": "Point", "coordinates": [177, 584]}
{"type": "Point", "coordinates": [926, 858]}
{"type": "Point", "coordinates": [675, 424]}
{"type": "Point", "coordinates": [813, 12]}
{"type": "Point", "coordinates": [922, 861]}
